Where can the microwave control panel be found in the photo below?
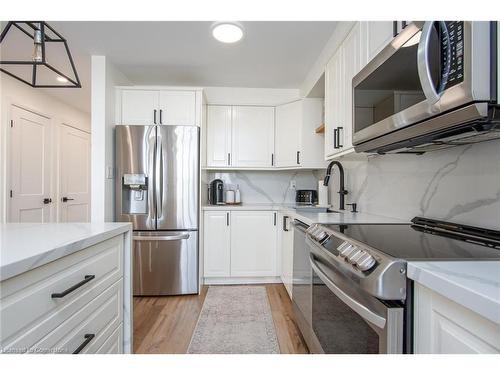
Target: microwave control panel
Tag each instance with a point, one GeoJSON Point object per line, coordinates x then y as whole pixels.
{"type": "Point", "coordinates": [455, 31]}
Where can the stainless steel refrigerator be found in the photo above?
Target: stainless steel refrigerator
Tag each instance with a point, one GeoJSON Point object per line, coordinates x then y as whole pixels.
{"type": "Point", "coordinates": [157, 191]}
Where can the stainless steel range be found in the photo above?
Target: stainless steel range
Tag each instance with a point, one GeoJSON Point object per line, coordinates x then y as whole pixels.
{"type": "Point", "coordinates": [351, 293]}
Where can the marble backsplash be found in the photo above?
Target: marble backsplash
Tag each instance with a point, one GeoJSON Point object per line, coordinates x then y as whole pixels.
{"type": "Point", "coordinates": [266, 186]}
{"type": "Point", "coordinates": [460, 184]}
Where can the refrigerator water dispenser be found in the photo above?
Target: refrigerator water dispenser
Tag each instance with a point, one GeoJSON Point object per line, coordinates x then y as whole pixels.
{"type": "Point", "coordinates": [135, 194]}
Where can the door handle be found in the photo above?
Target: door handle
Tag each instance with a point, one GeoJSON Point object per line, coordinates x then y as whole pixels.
{"type": "Point", "coordinates": [47, 200]}
{"type": "Point", "coordinates": [161, 238]}
{"type": "Point", "coordinates": [298, 157]}
{"type": "Point", "coordinates": [360, 309]}
{"type": "Point", "coordinates": [85, 280]}
{"type": "Point", "coordinates": [161, 110]}
{"type": "Point", "coordinates": [65, 199]}
{"type": "Point", "coordinates": [154, 116]}
{"type": "Point", "coordinates": [424, 73]}
{"type": "Point", "coordinates": [335, 131]}
{"type": "Point", "coordinates": [338, 136]}
{"type": "Point", "coordinates": [284, 223]}
{"type": "Point", "coordinates": [88, 338]}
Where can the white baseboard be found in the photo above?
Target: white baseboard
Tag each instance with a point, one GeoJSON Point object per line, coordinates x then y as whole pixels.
{"type": "Point", "coordinates": [241, 280]}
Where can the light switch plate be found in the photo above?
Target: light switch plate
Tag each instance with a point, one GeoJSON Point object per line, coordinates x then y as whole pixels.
{"type": "Point", "coordinates": [110, 172]}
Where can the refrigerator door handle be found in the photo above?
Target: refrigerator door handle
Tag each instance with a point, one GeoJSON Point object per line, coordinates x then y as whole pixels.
{"type": "Point", "coordinates": [161, 238]}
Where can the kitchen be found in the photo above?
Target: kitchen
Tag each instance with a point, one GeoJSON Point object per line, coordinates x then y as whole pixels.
{"type": "Point", "coordinates": [350, 208]}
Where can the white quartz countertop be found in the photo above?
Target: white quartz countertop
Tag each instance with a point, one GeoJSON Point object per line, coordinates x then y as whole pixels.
{"type": "Point", "coordinates": [310, 217]}
{"type": "Point", "coordinates": [473, 284]}
{"type": "Point", "coordinates": [26, 246]}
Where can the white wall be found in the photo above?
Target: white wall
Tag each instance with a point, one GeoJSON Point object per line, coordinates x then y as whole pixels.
{"type": "Point", "coordinates": [38, 101]}
{"type": "Point", "coordinates": [461, 185]}
{"type": "Point", "coordinates": [105, 77]}
{"type": "Point", "coordinates": [249, 96]}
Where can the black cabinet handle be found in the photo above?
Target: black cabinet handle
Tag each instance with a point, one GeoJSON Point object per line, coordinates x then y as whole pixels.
{"type": "Point", "coordinates": [227, 218]}
{"type": "Point", "coordinates": [161, 110]}
{"type": "Point", "coordinates": [228, 158]}
{"type": "Point", "coordinates": [284, 223]}
{"type": "Point", "coordinates": [65, 199]}
{"type": "Point", "coordinates": [335, 131]}
{"type": "Point", "coordinates": [338, 136]}
{"type": "Point", "coordinates": [154, 116]}
{"type": "Point", "coordinates": [47, 200]}
{"type": "Point", "coordinates": [74, 287]}
{"type": "Point", "coordinates": [394, 28]}
{"type": "Point", "coordinates": [272, 159]}
{"type": "Point", "coordinates": [275, 219]}
{"type": "Point", "coordinates": [298, 157]}
{"type": "Point", "coordinates": [88, 338]}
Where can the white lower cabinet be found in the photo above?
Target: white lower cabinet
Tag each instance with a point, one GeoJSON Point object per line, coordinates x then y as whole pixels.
{"type": "Point", "coordinates": [286, 246]}
{"type": "Point", "coordinates": [240, 244]}
{"type": "Point", "coordinates": [73, 304]}
{"type": "Point", "coordinates": [443, 326]}
{"type": "Point", "coordinates": [217, 244]}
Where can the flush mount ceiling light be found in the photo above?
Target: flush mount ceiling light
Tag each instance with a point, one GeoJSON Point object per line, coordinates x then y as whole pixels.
{"type": "Point", "coordinates": [227, 32]}
{"type": "Point", "coordinates": [32, 66]}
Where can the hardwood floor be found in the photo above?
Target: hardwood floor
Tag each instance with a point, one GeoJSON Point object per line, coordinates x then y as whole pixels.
{"type": "Point", "coordinates": [289, 337]}
{"type": "Point", "coordinates": [166, 324]}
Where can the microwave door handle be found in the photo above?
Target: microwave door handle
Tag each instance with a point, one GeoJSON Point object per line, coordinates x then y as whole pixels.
{"type": "Point", "coordinates": [360, 309]}
{"type": "Point", "coordinates": [424, 72]}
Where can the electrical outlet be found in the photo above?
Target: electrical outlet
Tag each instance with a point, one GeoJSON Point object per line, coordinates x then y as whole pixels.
{"type": "Point", "coordinates": [293, 184]}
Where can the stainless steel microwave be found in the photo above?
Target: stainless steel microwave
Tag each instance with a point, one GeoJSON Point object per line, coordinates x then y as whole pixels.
{"type": "Point", "coordinates": [433, 86]}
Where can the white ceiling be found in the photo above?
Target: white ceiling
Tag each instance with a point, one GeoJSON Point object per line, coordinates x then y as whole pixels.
{"type": "Point", "coordinates": [272, 54]}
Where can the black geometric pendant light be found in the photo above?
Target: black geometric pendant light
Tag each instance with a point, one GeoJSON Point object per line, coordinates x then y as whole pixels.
{"type": "Point", "coordinates": [34, 53]}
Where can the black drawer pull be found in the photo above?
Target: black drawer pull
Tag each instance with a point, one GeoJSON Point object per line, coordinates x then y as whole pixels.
{"type": "Point", "coordinates": [74, 287]}
{"type": "Point", "coordinates": [88, 338]}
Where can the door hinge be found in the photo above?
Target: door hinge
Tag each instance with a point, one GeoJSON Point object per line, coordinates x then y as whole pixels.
{"type": "Point", "coordinates": [11, 123]}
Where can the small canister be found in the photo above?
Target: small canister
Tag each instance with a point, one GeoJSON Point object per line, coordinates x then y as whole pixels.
{"type": "Point", "coordinates": [230, 196]}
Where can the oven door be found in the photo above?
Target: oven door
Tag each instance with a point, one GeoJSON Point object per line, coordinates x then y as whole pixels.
{"type": "Point", "coordinates": [426, 70]}
{"type": "Point", "coordinates": [346, 320]}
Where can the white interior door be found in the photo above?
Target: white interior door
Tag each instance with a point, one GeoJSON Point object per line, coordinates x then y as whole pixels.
{"type": "Point", "coordinates": [74, 175]}
{"type": "Point", "coordinates": [253, 136]}
{"type": "Point", "coordinates": [30, 168]}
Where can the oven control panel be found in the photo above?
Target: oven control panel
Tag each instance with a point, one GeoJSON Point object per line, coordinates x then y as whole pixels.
{"type": "Point", "coordinates": [359, 258]}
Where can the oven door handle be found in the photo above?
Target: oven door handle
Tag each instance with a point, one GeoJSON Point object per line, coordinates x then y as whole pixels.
{"type": "Point", "coordinates": [424, 72]}
{"type": "Point", "coordinates": [360, 309]}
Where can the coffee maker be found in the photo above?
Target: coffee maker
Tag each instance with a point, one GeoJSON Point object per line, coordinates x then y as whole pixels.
{"type": "Point", "coordinates": [216, 192]}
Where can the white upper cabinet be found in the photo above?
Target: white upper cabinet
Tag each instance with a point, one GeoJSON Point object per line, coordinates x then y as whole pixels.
{"type": "Point", "coordinates": [219, 135]}
{"type": "Point", "coordinates": [347, 61]}
{"type": "Point", "coordinates": [334, 104]}
{"type": "Point", "coordinates": [353, 62]}
{"type": "Point", "coordinates": [252, 136]}
{"type": "Point", "coordinates": [177, 108]}
{"type": "Point", "coordinates": [253, 243]}
{"type": "Point", "coordinates": [160, 107]}
{"type": "Point", "coordinates": [377, 35]}
{"type": "Point", "coordinates": [288, 134]}
{"type": "Point", "coordinates": [296, 143]}
{"type": "Point", "coordinates": [139, 106]}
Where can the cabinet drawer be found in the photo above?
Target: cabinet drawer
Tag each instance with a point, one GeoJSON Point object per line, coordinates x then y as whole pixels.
{"type": "Point", "coordinates": [114, 343]}
{"type": "Point", "coordinates": [26, 302]}
{"type": "Point", "coordinates": [100, 317]}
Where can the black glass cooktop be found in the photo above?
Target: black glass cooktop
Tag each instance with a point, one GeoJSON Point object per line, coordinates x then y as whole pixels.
{"type": "Point", "coordinates": [415, 242]}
